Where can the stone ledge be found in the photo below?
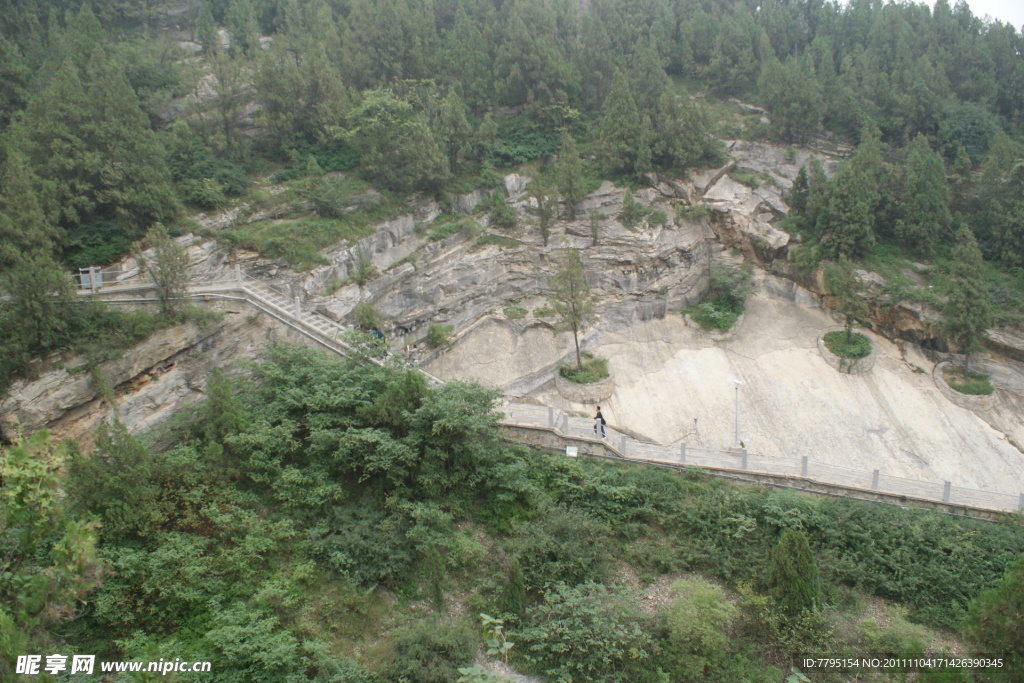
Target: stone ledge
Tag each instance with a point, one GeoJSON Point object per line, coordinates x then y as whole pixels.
{"type": "Point", "coordinates": [968, 401]}
{"type": "Point", "coordinates": [594, 392]}
{"type": "Point", "coordinates": [848, 366]}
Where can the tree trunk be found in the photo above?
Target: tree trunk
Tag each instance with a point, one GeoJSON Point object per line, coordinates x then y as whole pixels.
{"type": "Point", "coordinates": [576, 338]}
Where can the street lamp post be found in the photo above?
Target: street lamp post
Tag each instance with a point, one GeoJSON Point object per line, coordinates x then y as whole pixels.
{"type": "Point", "coordinates": [736, 429]}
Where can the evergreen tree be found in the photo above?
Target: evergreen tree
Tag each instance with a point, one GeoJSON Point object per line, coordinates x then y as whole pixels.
{"type": "Point", "coordinates": [793, 96]}
{"type": "Point", "coordinates": [797, 197]}
{"type": "Point", "coordinates": [844, 285]}
{"type": "Point", "coordinates": [572, 298]}
{"type": "Point", "coordinates": [923, 207]}
{"type": "Point", "coordinates": [452, 128]}
{"type": "Point", "coordinates": [396, 145]}
{"type": "Point", "coordinates": [819, 189]}
{"type": "Point", "coordinates": [621, 130]}
{"type": "Point", "coordinates": [968, 309]}
{"type": "Point", "coordinates": [166, 263]}
{"type": "Point", "coordinates": [545, 209]}
{"type": "Point", "coordinates": [242, 27]}
{"type": "Point", "coordinates": [569, 173]}
{"type": "Point", "coordinates": [48, 557]}
{"type": "Point", "coordinates": [36, 311]}
{"type": "Point", "coordinates": [206, 30]}
{"type": "Point", "coordinates": [793, 574]}
{"type": "Point", "coordinates": [15, 76]}
{"type": "Point", "coordinates": [25, 230]}
{"type": "Point", "coordinates": [857, 194]}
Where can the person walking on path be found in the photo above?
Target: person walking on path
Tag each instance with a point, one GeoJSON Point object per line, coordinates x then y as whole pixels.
{"type": "Point", "coordinates": [599, 422]}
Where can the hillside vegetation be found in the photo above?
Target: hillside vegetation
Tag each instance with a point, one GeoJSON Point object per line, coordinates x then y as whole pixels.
{"type": "Point", "coordinates": [327, 519]}
{"type": "Point", "coordinates": [335, 521]}
{"type": "Point", "coordinates": [118, 115]}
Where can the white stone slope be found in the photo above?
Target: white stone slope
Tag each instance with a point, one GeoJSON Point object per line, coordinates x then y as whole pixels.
{"type": "Point", "coordinates": [791, 402]}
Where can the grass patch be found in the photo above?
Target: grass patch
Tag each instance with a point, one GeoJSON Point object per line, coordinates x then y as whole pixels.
{"type": "Point", "coordinates": [543, 312]}
{"type": "Point", "coordinates": [859, 346]}
{"type": "Point", "coordinates": [748, 178]}
{"type": "Point", "coordinates": [448, 225]}
{"type": "Point", "coordinates": [500, 241]}
{"type": "Point", "coordinates": [299, 241]}
{"type": "Point", "coordinates": [514, 311]}
{"type": "Point", "coordinates": [594, 370]}
{"type": "Point", "coordinates": [972, 384]}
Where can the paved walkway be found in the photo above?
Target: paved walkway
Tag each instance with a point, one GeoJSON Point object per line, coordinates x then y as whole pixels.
{"type": "Point", "coordinates": [579, 431]}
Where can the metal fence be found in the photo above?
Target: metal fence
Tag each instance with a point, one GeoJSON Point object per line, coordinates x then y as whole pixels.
{"type": "Point", "coordinates": [742, 461]}
{"type": "Point", "coordinates": [289, 310]}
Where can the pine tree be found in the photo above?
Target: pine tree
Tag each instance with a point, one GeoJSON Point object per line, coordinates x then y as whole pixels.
{"type": "Point", "coordinates": [206, 30]}
{"type": "Point", "coordinates": [797, 197]}
{"type": "Point", "coordinates": [844, 285]}
{"type": "Point", "coordinates": [24, 228]}
{"type": "Point", "coordinates": [572, 298]}
{"type": "Point", "coordinates": [793, 574]}
{"type": "Point", "coordinates": [621, 130]}
{"type": "Point", "coordinates": [570, 176]}
{"type": "Point", "coordinates": [923, 210]}
{"type": "Point", "coordinates": [793, 96]}
{"type": "Point", "coordinates": [968, 310]}
{"type": "Point", "coordinates": [545, 210]}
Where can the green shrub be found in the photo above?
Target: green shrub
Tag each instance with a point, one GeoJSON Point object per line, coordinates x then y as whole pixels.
{"type": "Point", "coordinates": [712, 316]}
{"type": "Point", "coordinates": [585, 633]}
{"type": "Point", "coordinates": [594, 370]}
{"type": "Point", "coordinates": [566, 546]}
{"type": "Point", "coordinates": [368, 546]}
{"type": "Point", "coordinates": [859, 346]}
{"type": "Point", "coordinates": [439, 335]}
{"type": "Point", "coordinates": [502, 214]}
{"type": "Point", "coordinates": [368, 316]}
{"type": "Point", "coordinates": [899, 638]}
{"type": "Point", "coordinates": [994, 624]}
{"type": "Point", "coordinates": [364, 269]}
{"type": "Point", "coordinates": [698, 623]}
{"type": "Point", "coordinates": [793, 574]}
{"type": "Point", "coordinates": [430, 652]}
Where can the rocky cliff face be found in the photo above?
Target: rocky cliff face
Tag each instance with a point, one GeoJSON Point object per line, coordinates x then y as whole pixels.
{"type": "Point", "coordinates": [149, 382]}
{"type": "Point", "coordinates": [640, 275]}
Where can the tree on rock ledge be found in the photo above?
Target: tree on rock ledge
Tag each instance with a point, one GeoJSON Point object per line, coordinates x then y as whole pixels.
{"type": "Point", "coordinates": [572, 298]}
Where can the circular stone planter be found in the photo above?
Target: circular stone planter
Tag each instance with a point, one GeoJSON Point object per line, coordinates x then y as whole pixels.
{"type": "Point", "coordinates": [968, 401]}
{"type": "Point", "coordinates": [848, 366]}
{"type": "Point", "coordinates": [594, 392]}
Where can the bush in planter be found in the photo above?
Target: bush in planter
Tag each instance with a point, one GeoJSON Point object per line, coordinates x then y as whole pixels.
{"type": "Point", "coordinates": [854, 347]}
{"type": "Point", "coordinates": [594, 370]}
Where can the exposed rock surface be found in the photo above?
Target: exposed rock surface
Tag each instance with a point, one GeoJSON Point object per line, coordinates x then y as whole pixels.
{"type": "Point", "coordinates": [150, 381]}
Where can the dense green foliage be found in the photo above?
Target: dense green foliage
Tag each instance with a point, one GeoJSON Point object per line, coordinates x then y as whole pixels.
{"type": "Point", "coordinates": [852, 346]}
{"type": "Point", "coordinates": [265, 538]}
{"type": "Point", "coordinates": [723, 300]}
